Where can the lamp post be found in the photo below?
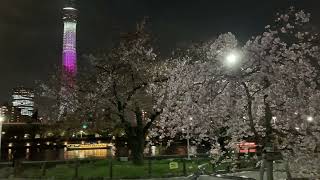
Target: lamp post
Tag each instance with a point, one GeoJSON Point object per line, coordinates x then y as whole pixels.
{"type": "Point", "coordinates": [1, 121]}
{"type": "Point", "coordinates": [81, 132]}
{"type": "Point", "coordinates": [188, 138]}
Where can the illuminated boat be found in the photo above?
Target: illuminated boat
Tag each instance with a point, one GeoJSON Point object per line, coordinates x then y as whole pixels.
{"type": "Point", "coordinates": [88, 146]}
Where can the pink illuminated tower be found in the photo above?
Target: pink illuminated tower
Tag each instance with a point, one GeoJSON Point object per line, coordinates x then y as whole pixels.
{"type": "Point", "coordinates": [69, 56]}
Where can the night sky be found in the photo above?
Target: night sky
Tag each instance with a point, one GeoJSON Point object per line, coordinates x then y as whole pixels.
{"type": "Point", "coordinates": [31, 30]}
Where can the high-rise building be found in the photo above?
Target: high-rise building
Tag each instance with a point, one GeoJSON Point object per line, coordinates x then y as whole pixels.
{"type": "Point", "coordinates": [4, 110]}
{"type": "Point", "coordinates": [69, 54]}
{"type": "Point", "coordinates": [10, 113]}
{"type": "Point", "coordinates": [23, 99]}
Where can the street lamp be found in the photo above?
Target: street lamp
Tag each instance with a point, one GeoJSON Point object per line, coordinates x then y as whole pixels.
{"type": "Point", "coordinates": [81, 132]}
{"type": "Point", "coordinates": [1, 121]}
{"type": "Point", "coordinates": [232, 59]}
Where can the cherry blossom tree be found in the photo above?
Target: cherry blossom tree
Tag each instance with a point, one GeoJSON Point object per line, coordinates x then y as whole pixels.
{"type": "Point", "coordinates": [124, 76]}
{"type": "Point", "coordinates": [267, 96]}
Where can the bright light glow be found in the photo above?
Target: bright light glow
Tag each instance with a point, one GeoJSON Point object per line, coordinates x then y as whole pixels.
{"type": "Point", "coordinates": [232, 59]}
{"type": "Point", "coordinates": [69, 8]}
{"type": "Point", "coordinates": [191, 118]}
{"type": "Point", "coordinates": [1, 119]}
{"type": "Point", "coordinates": [274, 119]}
{"type": "Point", "coordinates": [297, 128]}
{"type": "Point", "coordinates": [309, 118]}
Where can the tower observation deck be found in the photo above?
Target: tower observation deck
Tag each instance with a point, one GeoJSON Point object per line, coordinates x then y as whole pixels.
{"type": "Point", "coordinates": [69, 54]}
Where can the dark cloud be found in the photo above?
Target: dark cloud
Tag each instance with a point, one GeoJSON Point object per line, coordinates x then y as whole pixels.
{"type": "Point", "coordinates": [31, 30]}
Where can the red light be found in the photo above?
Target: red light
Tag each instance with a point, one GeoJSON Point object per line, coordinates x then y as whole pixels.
{"type": "Point", "coordinates": [243, 150]}
{"type": "Point", "coordinates": [246, 147]}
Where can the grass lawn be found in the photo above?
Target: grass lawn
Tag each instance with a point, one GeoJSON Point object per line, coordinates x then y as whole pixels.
{"type": "Point", "coordinates": [101, 168]}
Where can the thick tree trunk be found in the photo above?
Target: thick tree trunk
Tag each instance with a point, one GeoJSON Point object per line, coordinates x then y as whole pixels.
{"type": "Point", "coordinates": [137, 139]}
{"type": "Point", "coordinates": [137, 147]}
{"type": "Point", "coordinates": [250, 115]}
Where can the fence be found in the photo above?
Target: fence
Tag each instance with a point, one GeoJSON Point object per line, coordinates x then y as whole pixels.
{"type": "Point", "coordinates": [107, 169]}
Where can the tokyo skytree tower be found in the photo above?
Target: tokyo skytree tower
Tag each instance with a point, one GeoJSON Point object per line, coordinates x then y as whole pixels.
{"type": "Point", "coordinates": [69, 54]}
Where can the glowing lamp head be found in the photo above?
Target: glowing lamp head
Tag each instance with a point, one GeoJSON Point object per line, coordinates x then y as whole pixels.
{"type": "Point", "coordinates": [232, 59]}
{"type": "Point", "coordinates": [69, 8]}
{"type": "Point", "coordinates": [309, 118]}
